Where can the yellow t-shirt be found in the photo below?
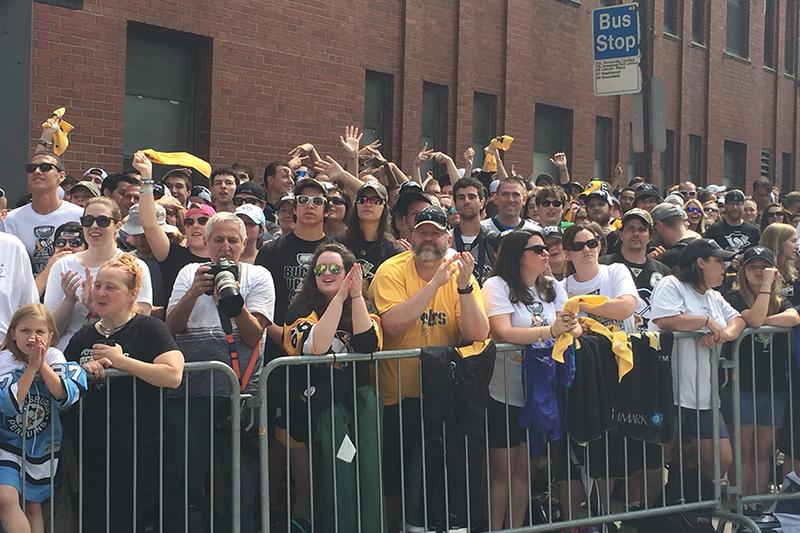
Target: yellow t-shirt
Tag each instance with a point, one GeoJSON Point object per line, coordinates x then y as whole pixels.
{"type": "Point", "coordinates": [395, 282]}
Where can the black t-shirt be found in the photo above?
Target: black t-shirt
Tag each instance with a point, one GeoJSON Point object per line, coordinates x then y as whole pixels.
{"type": "Point", "coordinates": [372, 254]}
{"type": "Point", "coordinates": [287, 258]}
{"type": "Point", "coordinates": [734, 238]}
{"type": "Point", "coordinates": [143, 338]}
{"type": "Point", "coordinates": [160, 294]}
{"type": "Point", "coordinates": [613, 242]}
{"type": "Point", "coordinates": [761, 342]}
{"type": "Point", "coordinates": [791, 292]}
{"type": "Point", "coordinates": [670, 258]}
{"type": "Point", "coordinates": [481, 249]}
{"type": "Point", "coordinates": [178, 257]}
{"type": "Point", "coordinates": [645, 276]}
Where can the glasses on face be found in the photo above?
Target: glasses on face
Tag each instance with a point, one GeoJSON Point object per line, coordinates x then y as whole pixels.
{"type": "Point", "coordinates": [577, 246]}
{"type": "Point", "coordinates": [333, 268]}
{"type": "Point", "coordinates": [30, 168]}
{"type": "Point", "coordinates": [711, 210]}
{"type": "Point", "coordinates": [73, 243]}
{"type": "Point", "coordinates": [693, 210]}
{"type": "Point", "coordinates": [554, 203]}
{"type": "Point", "coordinates": [538, 249]}
{"type": "Point", "coordinates": [369, 200]}
{"type": "Point", "coordinates": [102, 221]}
{"type": "Point", "coordinates": [303, 199]}
{"type": "Point", "coordinates": [688, 194]}
{"type": "Point", "coordinates": [774, 214]}
{"type": "Point", "coordinates": [335, 200]}
{"type": "Point", "coordinates": [190, 221]}
{"type": "Point", "coordinates": [239, 200]}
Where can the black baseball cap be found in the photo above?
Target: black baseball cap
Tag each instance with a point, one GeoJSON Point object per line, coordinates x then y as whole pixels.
{"type": "Point", "coordinates": [758, 252]}
{"type": "Point", "coordinates": [252, 188]}
{"type": "Point", "coordinates": [432, 215]}
{"type": "Point", "coordinates": [544, 179]}
{"type": "Point", "coordinates": [647, 190]}
{"type": "Point", "coordinates": [552, 231]}
{"type": "Point", "coordinates": [410, 192]}
{"type": "Point", "coordinates": [734, 197]}
{"type": "Point", "coordinates": [71, 230]}
{"type": "Point", "coordinates": [201, 192]}
{"type": "Point", "coordinates": [702, 248]}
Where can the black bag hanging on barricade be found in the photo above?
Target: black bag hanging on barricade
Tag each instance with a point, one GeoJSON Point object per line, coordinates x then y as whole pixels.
{"type": "Point", "coordinates": [455, 389]}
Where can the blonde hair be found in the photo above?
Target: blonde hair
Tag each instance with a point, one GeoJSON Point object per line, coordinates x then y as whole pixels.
{"type": "Point", "coordinates": [131, 267]}
{"type": "Point", "coordinates": [773, 238]}
{"type": "Point", "coordinates": [23, 313]}
{"type": "Point", "coordinates": [109, 203]}
{"type": "Point", "coordinates": [701, 226]}
{"type": "Point", "coordinates": [749, 295]}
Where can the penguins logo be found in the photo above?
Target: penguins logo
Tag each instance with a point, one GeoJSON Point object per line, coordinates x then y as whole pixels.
{"type": "Point", "coordinates": [37, 417]}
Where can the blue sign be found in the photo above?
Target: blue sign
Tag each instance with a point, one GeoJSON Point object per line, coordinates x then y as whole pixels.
{"type": "Point", "coordinates": [615, 32]}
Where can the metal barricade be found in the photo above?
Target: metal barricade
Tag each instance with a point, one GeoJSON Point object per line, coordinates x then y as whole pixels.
{"type": "Point", "coordinates": [95, 488]}
{"type": "Point", "coordinates": [430, 485]}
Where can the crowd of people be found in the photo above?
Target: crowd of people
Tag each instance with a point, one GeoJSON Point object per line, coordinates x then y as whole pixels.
{"type": "Point", "coordinates": [141, 274]}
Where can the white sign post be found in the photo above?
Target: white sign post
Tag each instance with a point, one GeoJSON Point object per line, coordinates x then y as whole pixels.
{"type": "Point", "coordinates": [615, 40]}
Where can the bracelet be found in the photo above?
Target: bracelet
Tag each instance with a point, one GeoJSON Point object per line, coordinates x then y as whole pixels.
{"type": "Point", "coordinates": [465, 290]}
{"type": "Point", "coordinates": [147, 182]}
{"type": "Point", "coordinates": [44, 143]}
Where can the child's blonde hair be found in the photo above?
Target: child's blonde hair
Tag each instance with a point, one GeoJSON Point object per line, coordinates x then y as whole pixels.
{"type": "Point", "coordinates": [23, 313]}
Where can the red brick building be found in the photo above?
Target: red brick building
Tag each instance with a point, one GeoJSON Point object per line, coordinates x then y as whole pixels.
{"type": "Point", "coordinates": [250, 79]}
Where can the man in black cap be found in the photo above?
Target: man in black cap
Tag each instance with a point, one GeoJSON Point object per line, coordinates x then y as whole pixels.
{"type": "Point", "coordinates": [250, 192]}
{"type": "Point", "coordinates": [647, 196]}
{"type": "Point", "coordinates": [732, 232]}
{"type": "Point", "coordinates": [669, 222]}
{"type": "Point", "coordinates": [410, 202]}
{"type": "Point", "coordinates": [598, 210]}
{"type": "Point", "coordinates": [553, 239]}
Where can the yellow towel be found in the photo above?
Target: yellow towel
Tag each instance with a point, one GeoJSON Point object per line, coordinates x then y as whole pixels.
{"type": "Point", "coordinates": [619, 339]}
{"type": "Point", "coordinates": [501, 142]}
{"type": "Point", "coordinates": [60, 137]}
{"type": "Point", "coordinates": [183, 159]}
{"type": "Point", "coordinates": [592, 186]}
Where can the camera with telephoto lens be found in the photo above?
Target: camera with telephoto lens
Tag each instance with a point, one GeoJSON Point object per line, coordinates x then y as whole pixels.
{"type": "Point", "coordinates": [226, 276]}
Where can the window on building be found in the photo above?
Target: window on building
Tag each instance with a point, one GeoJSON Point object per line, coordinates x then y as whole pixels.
{"type": "Point", "coordinates": [737, 24]}
{"type": "Point", "coordinates": [672, 16]}
{"type": "Point", "coordinates": [667, 162]}
{"type": "Point", "coordinates": [552, 132]}
{"type": "Point", "coordinates": [766, 163]}
{"type": "Point", "coordinates": [787, 172]}
{"type": "Point", "coordinates": [70, 4]}
{"type": "Point", "coordinates": [770, 23]}
{"type": "Point", "coordinates": [790, 46]}
{"type": "Point", "coordinates": [434, 123]}
{"type": "Point", "coordinates": [603, 132]}
{"type": "Point", "coordinates": [699, 21]}
{"type": "Point", "coordinates": [378, 110]}
{"type": "Point", "coordinates": [734, 164]}
{"type": "Point", "coordinates": [484, 124]}
{"type": "Point", "coordinates": [696, 159]}
{"type": "Point", "coordinates": [162, 82]}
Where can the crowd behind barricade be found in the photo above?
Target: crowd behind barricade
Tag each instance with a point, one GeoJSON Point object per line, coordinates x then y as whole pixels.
{"type": "Point", "coordinates": [316, 257]}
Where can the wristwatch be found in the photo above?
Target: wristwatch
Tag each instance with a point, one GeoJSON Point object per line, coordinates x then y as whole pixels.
{"type": "Point", "coordinates": [467, 290]}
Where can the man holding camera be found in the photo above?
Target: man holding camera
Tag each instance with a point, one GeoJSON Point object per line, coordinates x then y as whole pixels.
{"type": "Point", "coordinates": [218, 312]}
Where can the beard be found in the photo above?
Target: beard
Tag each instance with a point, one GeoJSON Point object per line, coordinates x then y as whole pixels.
{"type": "Point", "coordinates": [427, 252]}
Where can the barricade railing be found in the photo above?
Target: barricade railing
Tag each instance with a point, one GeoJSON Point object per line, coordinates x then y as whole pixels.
{"type": "Point", "coordinates": [435, 494]}
{"type": "Point", "coordinates": [116, 464]}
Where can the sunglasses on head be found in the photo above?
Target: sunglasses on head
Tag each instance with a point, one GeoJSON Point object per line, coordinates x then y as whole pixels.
{"type": "Point", "coordinates": [102, 221]}
{"type": "Point", "coordinates": [554, 203]}
{"type": "Point", "coordinates": [189, 221]}
{"type": "Point", "coordinates": [239, 200]}
{"type": "Point", "coordinates": [336, 200]}
{"type": "Point", "coordinates": [538, 249]}
{"type": "Point", "coordinates": [577, 246]}
{"type": "Point", "coordinates": [695, 210]}
{"type": "Point", "coordinates": [303, 199]}
{"type": "Point", "coordinates": [30, 168]}
{"type": "Point", "coordinates": [74, 243]}
{"type": "Point", "coordinates": [369, 200]}
{"type": "Point", "coordinates": [333, 268]}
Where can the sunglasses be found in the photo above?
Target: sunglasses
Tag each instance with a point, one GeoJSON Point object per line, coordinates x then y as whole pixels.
{"type": "Point", "coordinates": [303, 199]}
{"type": "Point", "coordinates": [336, 200]}
{"type": "Point", "coordinates": [774, 214]}
{"type": "Point", "coordinates": [711, 210]}
{"type": "Point", "coordinates": [239, 200]}
{"type": "Point", "coordinates": [689, 194]}
{"type": "Point", "coordinates": [74, 243]}
{"type": "Point", "coordinates": [30, 168]}
{"type": "Point", "coordinates": [369, 200]}
{"type": "Point", "coordinates": [333, 268]}
{"type": "Point", "coordinates": [554, 203]}
{"type": "Point", "coordinates": [577, 246]}
{"type": "Point", "coordinates": [189, 221]}
{"type": "Point", "coordinates": [694, 210]}
{"type": "Point", "coordinates": [538, 249]}
{"type": "Point", "coordinates": [102, 221]}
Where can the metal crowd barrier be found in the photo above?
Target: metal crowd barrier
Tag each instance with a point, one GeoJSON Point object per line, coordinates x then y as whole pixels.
{"type": "Point", "coordinates": [68, 510]}
{"type": "Point", "coordinates": [289, 473]}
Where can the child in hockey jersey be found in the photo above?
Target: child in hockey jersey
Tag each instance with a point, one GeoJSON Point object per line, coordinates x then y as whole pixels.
{"type": "Point", "coordinates": [31, 407]}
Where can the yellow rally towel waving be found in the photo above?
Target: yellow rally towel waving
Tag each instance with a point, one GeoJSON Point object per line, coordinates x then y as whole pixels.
{"type": "Point", "coordinates": [503, 142]}
{"type": "Point", "coordinates": [60, 137]}
{"type": "Point", "coordinates": [183, 159]}
{"type": "Point", "coordinates": [618, 339]}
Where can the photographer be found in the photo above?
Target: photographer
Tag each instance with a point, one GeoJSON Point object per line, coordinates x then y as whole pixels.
{"type": "Point", "coordinates": [208, 301]}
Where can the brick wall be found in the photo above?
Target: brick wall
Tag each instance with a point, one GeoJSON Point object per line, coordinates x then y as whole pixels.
{"type": "Point", "coordinates": [277, 74]}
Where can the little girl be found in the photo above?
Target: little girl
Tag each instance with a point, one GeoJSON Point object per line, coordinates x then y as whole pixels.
{"type": "Point", "coordinates": [28, 406]}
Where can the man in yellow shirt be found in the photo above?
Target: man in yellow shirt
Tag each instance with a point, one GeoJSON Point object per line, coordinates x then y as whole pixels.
{"type": "Point", "coordinates": [424, 299]}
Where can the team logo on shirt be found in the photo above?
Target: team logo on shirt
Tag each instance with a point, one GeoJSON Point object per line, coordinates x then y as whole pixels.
{"type": "Point", "coordinates": [737, 240]}
{"type": "Point", "coordinates": [367, 268]}
{"type": "Point", "coordinates": [431, 318]}
{"type": "Point", "coordinates": [2, 270]}
{"type": "Point", "coordinates": [34, 418]}
{"type": "Point", "coordinates": [43, 248]}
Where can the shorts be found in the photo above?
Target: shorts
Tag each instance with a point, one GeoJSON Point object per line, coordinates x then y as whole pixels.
{"type": "Point", "coordinates": [763, 413]}
{"type": "Point", "coordinates": [412, 436]}
{"type": "Point", "coordinates": [688, 424]}
{"type": "Point", "coordinates": [498, 420]}
{"type": "Point", "coordinates": [625, 456]}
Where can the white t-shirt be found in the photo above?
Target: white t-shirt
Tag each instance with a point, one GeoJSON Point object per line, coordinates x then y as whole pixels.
{"type": "Point", "coordinates": [691, 382]}
{"type": "Point", "coordinates": [611, 281]}
{"type": "Point", "coordinates": [17, 287]}
{"type": "Point", "coordinates": [36, 231]}
{"type": "Point", "coordinates": [506, 383]}
{"type": "Point", "coordinates": [54, 294]}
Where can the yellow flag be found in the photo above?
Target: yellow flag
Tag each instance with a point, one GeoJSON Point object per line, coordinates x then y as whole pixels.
{"type": "Point", "coordinates": [60, 137]}
{"type": "Point", "coordinates": [183, 159]}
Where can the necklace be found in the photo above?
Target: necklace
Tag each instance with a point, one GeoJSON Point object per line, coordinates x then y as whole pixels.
{"type": "Point", "coordinates": [107, 332]}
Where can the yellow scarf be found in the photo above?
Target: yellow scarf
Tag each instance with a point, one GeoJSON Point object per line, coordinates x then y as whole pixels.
{"type": "Point", "coordinates": [183, 159]}
{"type": "Point", "coordinates": [60, 137]}
{"type": "Point", "coordinates": [618, 339]}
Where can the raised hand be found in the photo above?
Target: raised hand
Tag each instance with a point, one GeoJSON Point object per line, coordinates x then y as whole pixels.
{"type": "Point", "coordinates": [70, 281]}
{"type": "Point", "coordinates": [351, 140]}
{"type": "Point", "coordinates": [468, 157]}
{"type": "Point", "coordinates": [423, 156]}
{"type": "Point", "coordinates": [302, 149]}
{"type": "Point", "coordinates": [329, 166]}
{"type": "Point", "coordinates": [559, 160]}
{"type": "Point", "coordinates": [467, 266]}
{"type": "Point", "coordinates": [371, 148]}
{"type": "Point", "coordinates": [143, 164]}
{"type": "Point", "coordinates": [356, 281]}
{"type": "Point", "coordinates": [770, 273]}
{"type": "Point", "coordinates": [36, 359]}
{"type": "Point", "coordinates": [297, 161]}
{"type": "Point", "coordinates": [88, 286]}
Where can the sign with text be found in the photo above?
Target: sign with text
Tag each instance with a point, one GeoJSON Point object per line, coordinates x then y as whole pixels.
{"type": "Point", "coordinates": [615, 42]}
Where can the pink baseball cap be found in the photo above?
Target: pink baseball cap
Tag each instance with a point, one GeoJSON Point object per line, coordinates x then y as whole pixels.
{"type": "Point", "coordinates": [198, 209]}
